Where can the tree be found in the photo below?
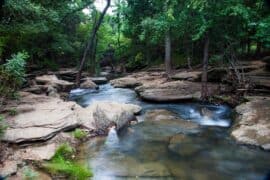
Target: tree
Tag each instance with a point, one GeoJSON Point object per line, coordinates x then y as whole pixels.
{"type": "Point", "coordinates": [91, 42]}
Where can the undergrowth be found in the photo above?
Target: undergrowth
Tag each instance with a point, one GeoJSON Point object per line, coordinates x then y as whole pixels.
{"type": "Point", "coordinates": [62, 163]}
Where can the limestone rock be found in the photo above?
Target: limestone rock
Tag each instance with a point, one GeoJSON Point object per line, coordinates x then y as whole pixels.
{"type": "Point", "coordinates": [102, 115]}
{"type": "Point", "coordinates": [189, 76]}
{"type": "Point", "coordinates": [173, 91]}
{"type": "Point", "coordinates": [88, 84]}
{"type": "Point", "coordinates": [126, 82]}
{"type": "Point", "coordinates": [159, 114]}
{"type": "Point", "coordinates": [253, 123]}
{"type": "Point", "coordinates": [47, 117]}
{"type": "Point", "coordinates": [45, 152]}
{"type": "Point", "coordinates": [61, 85]}
{"type": "Point", "coordinates": [99, 80]}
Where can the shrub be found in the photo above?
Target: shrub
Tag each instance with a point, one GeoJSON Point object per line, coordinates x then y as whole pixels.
{"type": "Point", "coordinates": [137, 62]}
{"type": "Point", "coordinates": [12, 75]}
{"type": "Point", "coordinates": [62, 163]}
{"type": "Point", "coordinates": [79, 134]}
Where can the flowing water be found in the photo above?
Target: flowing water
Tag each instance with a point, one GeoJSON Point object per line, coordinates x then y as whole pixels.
{"type": "Point", "coordinates": [143, 150]}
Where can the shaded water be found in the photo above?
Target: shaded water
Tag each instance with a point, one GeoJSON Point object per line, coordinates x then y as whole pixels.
{"type": "Point", "coordinates": [143, 151]}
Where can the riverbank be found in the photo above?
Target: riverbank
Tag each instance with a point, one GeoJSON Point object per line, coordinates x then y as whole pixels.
{"type": "Point", "coordinates": [38, 122]}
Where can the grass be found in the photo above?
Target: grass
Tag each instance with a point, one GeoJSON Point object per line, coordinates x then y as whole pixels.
{"type": "Point", "coordinates": [79, 134]}
{"type": "Point", "coordinates": [62, 163]}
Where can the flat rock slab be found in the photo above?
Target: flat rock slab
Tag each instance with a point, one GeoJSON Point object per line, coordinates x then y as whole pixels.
{"type": "Point", "coordinates": [99, 80]}
{"type": "Point", "coordinates": [41, 117]}
{"type": "Point", "coordinates": [61, 85]}
{"type": "Point", "coordinates": [253, 123]}
{"type": "Point", "coordinates": [189, 76]}
{"type": "Point", "coordinates": [39, 153]}
{"type": "Point", "coordinates": [173, 91]}
{"type": "Point", "coordinates": [126, 82]}
{"type": "Point", "coordinates": [46, 116]}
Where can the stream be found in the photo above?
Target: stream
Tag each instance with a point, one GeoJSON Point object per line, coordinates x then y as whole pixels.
{"type": "Point", "coordinates": [143, 150]}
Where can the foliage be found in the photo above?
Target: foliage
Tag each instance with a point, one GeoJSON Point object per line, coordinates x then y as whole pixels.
{"type": "Point", "coordinates": [79, 134]}
{"type": "Point", "coordinates": [12, 75]}
{"type": "Point", "coordinates": [138, 61]}
{"type": "Point", "coordinates": [45, 29]}
{"type": "Point", "coordinates": [54, 33]}
{"type": "Point", "coordinates": [62, 163]}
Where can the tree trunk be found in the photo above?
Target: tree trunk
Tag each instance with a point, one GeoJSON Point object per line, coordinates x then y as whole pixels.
{"type": "Point", "coordinates": [189, 54]}
{"type": "Point", "coordinates": [91, 43]}
{"type": "Point", "coordinates": [92, 68]}
{"type": "Point", "coordinates": [168, 62]}
{"type": "Point", "coordinates": [248, 46]}
{"type": "Point", "coordinates": [204, 90]}
{"type": "Point", "coordinates": [259, 48]}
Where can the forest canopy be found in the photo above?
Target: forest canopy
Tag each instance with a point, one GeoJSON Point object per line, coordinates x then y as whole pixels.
{"type": "Point", "coordinates": [55, 33]}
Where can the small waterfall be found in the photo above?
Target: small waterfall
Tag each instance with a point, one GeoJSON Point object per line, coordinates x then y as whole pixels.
{"type": "Point", "coordinates": [112, 138]}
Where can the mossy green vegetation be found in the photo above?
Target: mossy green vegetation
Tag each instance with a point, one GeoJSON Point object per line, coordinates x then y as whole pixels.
{"type": "Point", "coordinates": [62, 163]}
{"type": "Point", "coordinates": [79, 134]}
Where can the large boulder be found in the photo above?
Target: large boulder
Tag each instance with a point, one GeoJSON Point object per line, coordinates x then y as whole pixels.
{"type": "Point", "coordinates": [61, 85]}
{"type": "Point", "coordinates": [102, 115]}
{"type": "Point", "coordinates": [88, 84]}
{"type": "Point", "coordinates": [126, 82]}
{"type": "Point", "coordinates": [45, 117]}
{"type": "Point", "coordinates": [173, 91]}
{"type": "Point", "coordinates": [188, 75]}
{"type": "Point", "coordinates": [253, 123]}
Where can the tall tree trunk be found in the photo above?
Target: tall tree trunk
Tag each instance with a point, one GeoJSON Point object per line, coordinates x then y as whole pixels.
{"type": "Point", "coordinates": [204, 90]}
{"type": "Point", "coordinates": [91, 42]}
{"type": "Point", "coordinates": [93, 63]}
{"type": "Point", "coordinates": [190, 56]}
{"type": "Point", "coordinates": [168, 62]}
{"type": "Point", "coordinates": [248, 46]}
{"type": "Point", "coordinates": [259, 48]}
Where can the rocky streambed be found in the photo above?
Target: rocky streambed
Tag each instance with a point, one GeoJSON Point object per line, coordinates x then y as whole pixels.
{"type": "Point", "coordinates": [172, 135]}
{"type": "Point", "coordinates": [171, 141]}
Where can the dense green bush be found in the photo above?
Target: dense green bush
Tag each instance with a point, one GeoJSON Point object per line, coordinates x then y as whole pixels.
{"type": "Point", "coordinates": [12, 75]}
{"type": "Point", "coordinates": [137, 62]}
